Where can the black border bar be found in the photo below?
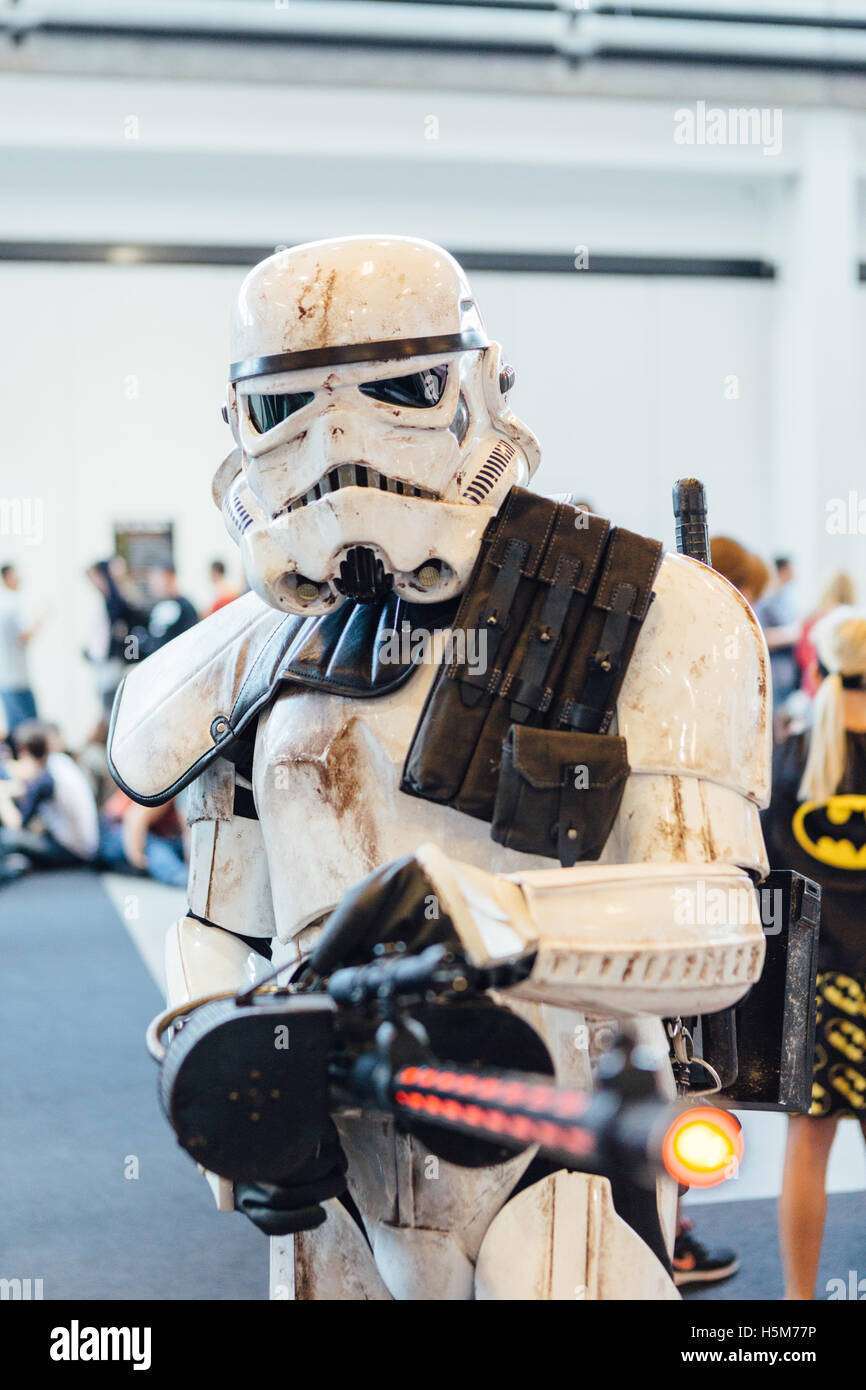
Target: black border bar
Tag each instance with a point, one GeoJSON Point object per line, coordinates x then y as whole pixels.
{"type": "Point", "coordinates": [506, 262]}
{"type": "Point", "coordinates": [607, 52]}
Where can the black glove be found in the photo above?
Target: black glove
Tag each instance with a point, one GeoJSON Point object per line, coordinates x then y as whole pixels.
{"type": "Point", "coordinates": [292, 1204]}
{"type": "Point", "coordinates": [395, 903]}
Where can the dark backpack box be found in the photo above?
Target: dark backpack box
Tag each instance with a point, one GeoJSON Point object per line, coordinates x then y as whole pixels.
{"type": "Point", "coordinates": [775, 1023]}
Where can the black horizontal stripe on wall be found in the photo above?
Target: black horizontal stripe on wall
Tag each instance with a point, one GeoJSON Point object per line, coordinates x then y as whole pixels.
{"type": "Point", "coordinates": [509, 262]}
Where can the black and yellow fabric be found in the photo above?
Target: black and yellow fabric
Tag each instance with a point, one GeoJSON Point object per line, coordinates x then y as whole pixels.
{"type": "Point", "coordinates": [839, 1080]}
{"type": "Point", "coordinates": [825, 841]}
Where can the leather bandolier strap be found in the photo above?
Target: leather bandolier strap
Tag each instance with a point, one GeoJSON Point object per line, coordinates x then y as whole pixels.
{"type": "Point", "coordinates": [539, 649]}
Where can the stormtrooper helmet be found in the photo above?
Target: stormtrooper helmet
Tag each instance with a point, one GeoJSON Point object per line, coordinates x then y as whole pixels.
{"type": "Point", "coordinates": [373, 440]}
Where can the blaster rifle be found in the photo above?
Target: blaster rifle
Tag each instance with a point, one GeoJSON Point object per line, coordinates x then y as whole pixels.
{"type": "Point", "coordinates": [248, 1080]}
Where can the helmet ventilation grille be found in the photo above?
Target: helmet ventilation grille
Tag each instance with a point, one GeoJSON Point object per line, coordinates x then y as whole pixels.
{"type": "Point", "coordinates": [237, 513]}
{"type": "Point", "coordinates": [357, 475]}
{"type": "Point", "coordinates": [490, 471]}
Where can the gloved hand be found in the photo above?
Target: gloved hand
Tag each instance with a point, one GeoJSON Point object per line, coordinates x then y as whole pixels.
{"type": "Point", "coordinates": [292, 1204]}
{"type": "Point", "coordinates": [397, 902]}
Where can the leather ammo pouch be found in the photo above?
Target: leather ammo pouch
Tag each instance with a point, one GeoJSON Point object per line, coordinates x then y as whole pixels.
{"type": "Point", "coordinates": [559, 789]}
{"type": "Point", "coordinates": [541, 642]}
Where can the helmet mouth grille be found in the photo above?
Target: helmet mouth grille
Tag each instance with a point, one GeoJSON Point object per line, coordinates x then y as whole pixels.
{"type": "Point", "coordinates": [363, 576]}
{"type": "Point", "coordinates": [356, 475]}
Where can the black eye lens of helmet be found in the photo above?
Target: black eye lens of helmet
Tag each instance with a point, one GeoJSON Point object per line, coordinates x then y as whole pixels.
{"type": "Point", "coordinates": [420, 390]}
{"type": "Point", "coordinates": [267, 411]}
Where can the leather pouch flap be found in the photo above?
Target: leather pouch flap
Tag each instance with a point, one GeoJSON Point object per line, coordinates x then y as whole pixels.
{"type": "Point", "coordinates": [540, 756]}
{"type": "Point", "coordinates": [558, 792]}
{"type": "Point", "coordinates": [631, 564]}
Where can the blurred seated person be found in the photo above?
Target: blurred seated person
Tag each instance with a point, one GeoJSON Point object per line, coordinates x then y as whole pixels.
{"type": "Point", "coordinates": [48, 816]}
{"type": "Point", "coordinates": [142, 839]}
{"type": "Point", "coordinates": [171, 613]}
{"type": "Point", "coordinates": [223, 592]}
{"type": "Point", "coordinates": [840, 592]}
{"type": "Point", "coordinates": [746, 571]}
{"type": "Point", "coordinates": [780, 618]}
{"type": "Point", "coordinates": [92, 759]}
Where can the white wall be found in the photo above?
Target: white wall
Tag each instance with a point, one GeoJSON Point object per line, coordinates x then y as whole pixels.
{"type": "Point", "coordinates": [112, 407]}
{"type": "Point", "coordinates": [112, 376]}
{"type": "Point", "coordinates": [624, 380]}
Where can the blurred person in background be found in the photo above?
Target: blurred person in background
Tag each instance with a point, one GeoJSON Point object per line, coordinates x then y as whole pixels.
{"type": "Point", "coordinates": [779, 616]}
{"type": "Point", "coordinates": [171, 613]}
{"type": "Point", "coordinates": [120, 618]}
{"type": "Point", "coordinates": [93, 761]}
{"type": "Point", "coordinates": [746, 571]}
{"type": "Point", "coordinates": [222, 589]}
{"type": "Point", "coordinates": [142, 839]}
{"type": "Point", "coordinates": [15, 636]}
{"type": "Point", "coordinates": [48, 815]}
{"type": "Point", "coordinates": [816, 824]}
{"type": "Point", "coordinates": [840, 592]}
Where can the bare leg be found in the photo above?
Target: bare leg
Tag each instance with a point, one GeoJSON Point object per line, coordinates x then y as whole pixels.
{"type": "Point", "coordinates": [803, 1202]}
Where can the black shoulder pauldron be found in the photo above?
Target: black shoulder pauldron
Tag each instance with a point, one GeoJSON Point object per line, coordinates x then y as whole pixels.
{"type": "Point", "coordinates": [355, 651]}
{"type": "Point", "coordinates": [342, 652]}
{"type": "Point", "coordinates": [349, 652]}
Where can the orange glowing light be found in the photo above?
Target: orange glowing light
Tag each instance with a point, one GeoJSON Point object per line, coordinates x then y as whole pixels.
{"type": "Point", "coordinates": [703, 1147]}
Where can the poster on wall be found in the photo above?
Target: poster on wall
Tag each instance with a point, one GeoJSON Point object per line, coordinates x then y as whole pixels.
{"type": "Point", "coordinates": [144, 545]}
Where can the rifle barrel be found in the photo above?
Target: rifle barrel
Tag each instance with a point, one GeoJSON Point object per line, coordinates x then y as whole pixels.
{"type": "Point", "coordinates": [690, 517]}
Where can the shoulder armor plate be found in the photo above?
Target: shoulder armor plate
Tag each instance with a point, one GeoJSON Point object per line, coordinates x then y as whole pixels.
{"type": "Point", "coordinates": [696, 699]}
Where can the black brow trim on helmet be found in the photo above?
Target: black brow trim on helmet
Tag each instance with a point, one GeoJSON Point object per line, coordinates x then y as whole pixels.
{"type": "Point", "coordinates": [357, 352]}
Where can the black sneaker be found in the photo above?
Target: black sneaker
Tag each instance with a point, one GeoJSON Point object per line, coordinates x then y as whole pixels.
{"type": "Point", "coordinates": [695, 1264]}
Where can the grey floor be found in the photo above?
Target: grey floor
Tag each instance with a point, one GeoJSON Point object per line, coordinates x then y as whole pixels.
{"type": "Point", "coordinates": [78, 1102]}
{"type": "Point", "coordinates": [750, 1229]}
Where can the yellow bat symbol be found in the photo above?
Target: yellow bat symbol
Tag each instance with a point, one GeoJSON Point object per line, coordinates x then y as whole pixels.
{"type": "Point", "coordinates": [817, 827]}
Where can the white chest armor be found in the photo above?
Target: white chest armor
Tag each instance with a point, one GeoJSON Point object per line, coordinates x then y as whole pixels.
{"type": "Point", "coordinates": [326, 781]}
{"type": "Point", "coordinates": [692, 709]}
{"type": "Point", "coordinates": [327, 768]}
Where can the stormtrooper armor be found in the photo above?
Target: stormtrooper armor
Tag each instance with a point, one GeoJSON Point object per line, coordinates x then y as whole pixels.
{"type": "Point", "coordinates": [373, 445]}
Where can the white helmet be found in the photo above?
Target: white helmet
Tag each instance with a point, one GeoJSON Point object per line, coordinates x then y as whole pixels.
{"type": "Point", "coordinates": [368, 407]}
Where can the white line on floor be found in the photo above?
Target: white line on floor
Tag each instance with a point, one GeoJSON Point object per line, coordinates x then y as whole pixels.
{"type": "Point", "coordinates": [147, 910]}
